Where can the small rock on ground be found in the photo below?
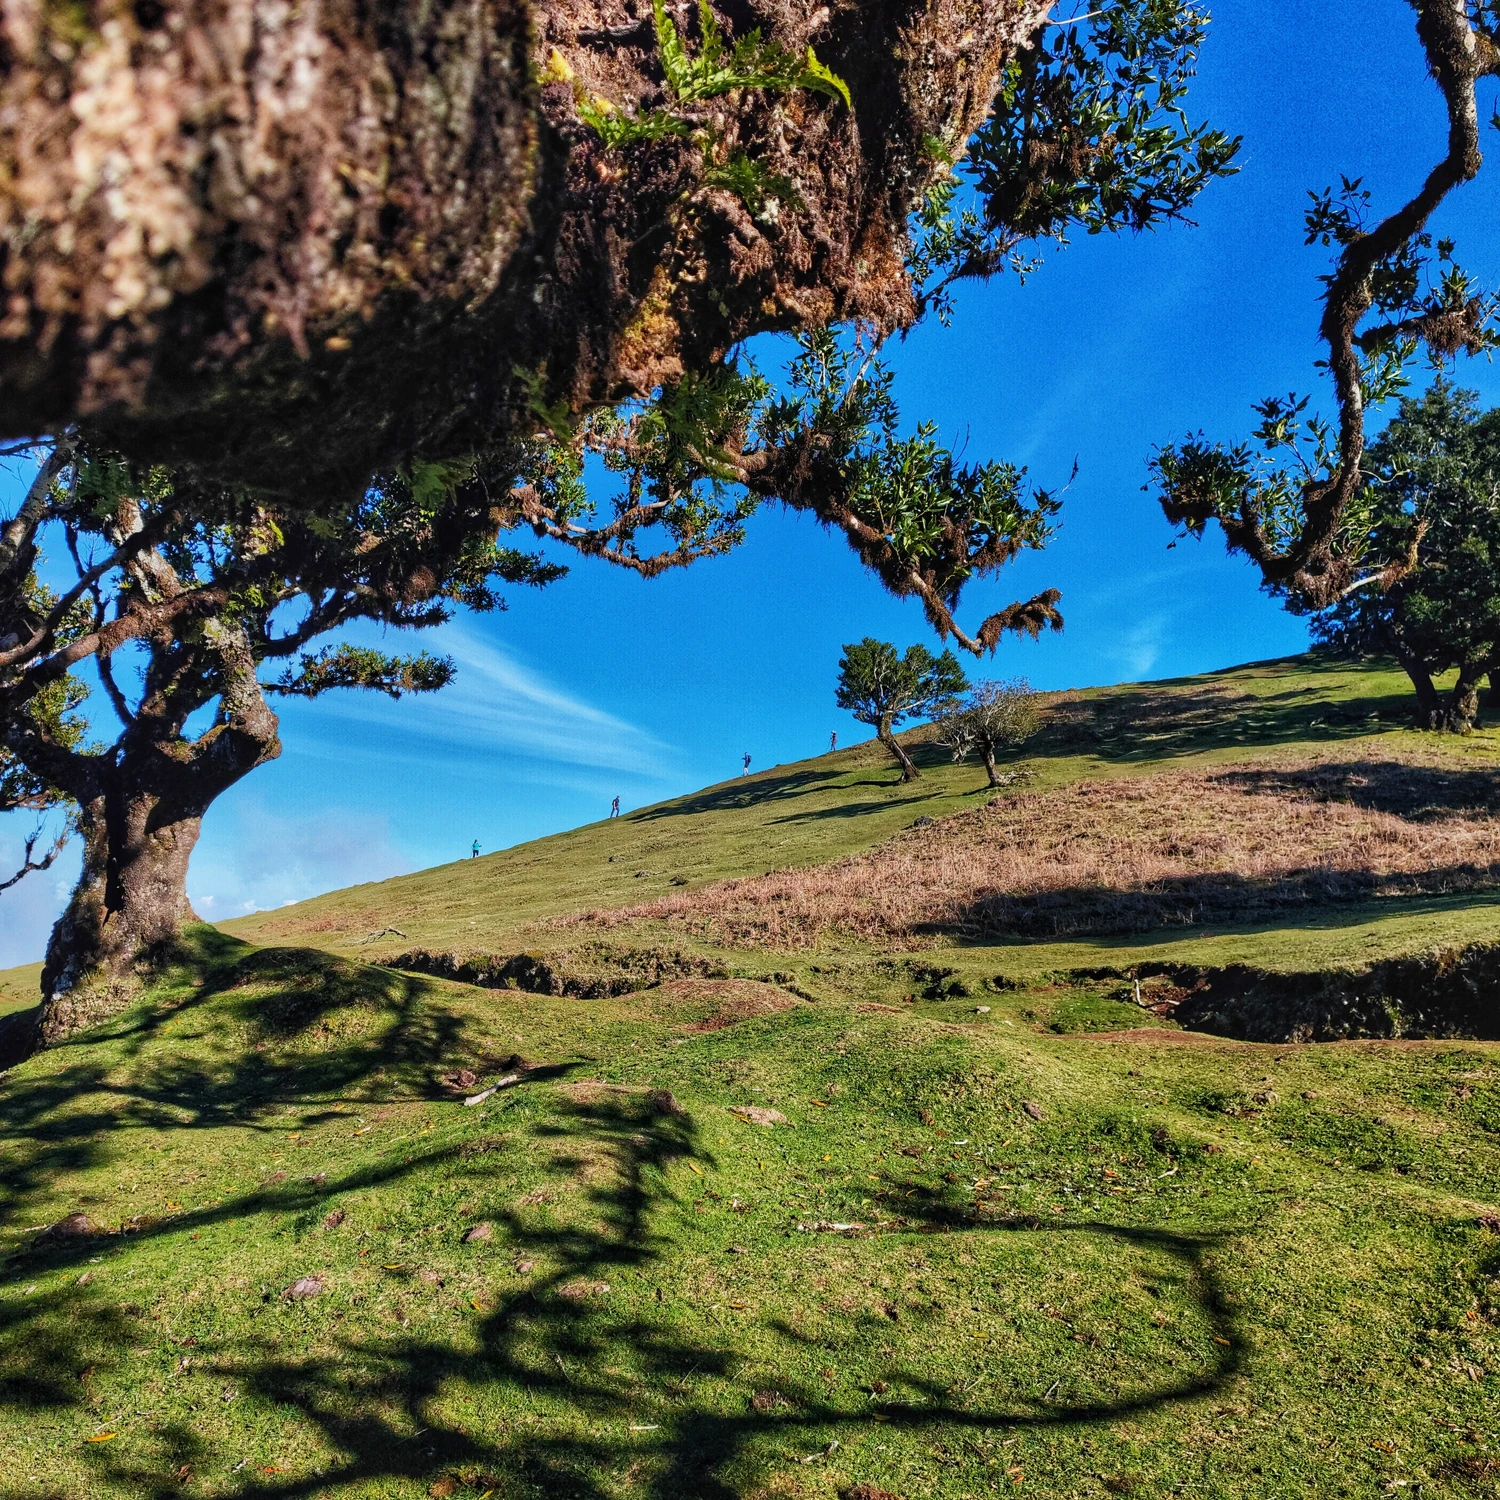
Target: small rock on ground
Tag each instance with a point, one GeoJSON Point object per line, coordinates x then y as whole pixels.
{"type": "Point", "coordinates": [755, 1115]}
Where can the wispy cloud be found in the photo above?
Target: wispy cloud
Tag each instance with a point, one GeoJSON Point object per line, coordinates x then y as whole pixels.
{"type": "Point", "coordinates": [28, 909]}
{"type": "Point", "coordinates": [498, 705]}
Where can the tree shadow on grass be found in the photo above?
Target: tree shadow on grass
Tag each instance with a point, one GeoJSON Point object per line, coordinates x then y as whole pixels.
{"type": "Point", "coordinates": [272, 1027]}
{"type": "Point", "coordinates": [1158, 721]}
{"type": "Point", "coordinates": [560, 1383]}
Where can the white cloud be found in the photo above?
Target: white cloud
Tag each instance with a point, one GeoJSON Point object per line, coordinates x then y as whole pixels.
{"type": "Point", "coordinates": [498, 705]}
{"type": "Point", "coordinates": [258, 858]}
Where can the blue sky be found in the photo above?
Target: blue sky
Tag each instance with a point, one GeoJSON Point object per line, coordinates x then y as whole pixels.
{"type": "Point", "coordinates": [605, 684]}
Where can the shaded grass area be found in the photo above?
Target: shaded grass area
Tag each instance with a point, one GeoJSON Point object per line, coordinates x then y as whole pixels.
{"type": "Point", "coordinates": [1085, 1264]}
{"type": "Point", "coordinates": [820, 810]}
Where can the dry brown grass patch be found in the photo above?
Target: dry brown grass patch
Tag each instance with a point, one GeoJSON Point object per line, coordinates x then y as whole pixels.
{"type": "Point", "coordinates": [1229, 845]}
{"type": "Point", "coordinates": [728, 1002]}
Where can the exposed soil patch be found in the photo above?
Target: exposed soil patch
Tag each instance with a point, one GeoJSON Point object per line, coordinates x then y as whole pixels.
{"type": "Point", "coordinates": [731, 1000]}
{"type": "Point", "coordinates": [595, 973]}
{"type": "Point", "coordinates": [1179, 849]}
{"type": "Point", "coordinates": [1449, 993]}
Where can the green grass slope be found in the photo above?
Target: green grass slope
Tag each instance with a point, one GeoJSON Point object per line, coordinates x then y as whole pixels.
{"type": "Point", "coordinates": [819, 810]}
{"type": "Point", "coordinates": [1083, 1264]}
{"type": "Point", "coordinates": [999, 1237]}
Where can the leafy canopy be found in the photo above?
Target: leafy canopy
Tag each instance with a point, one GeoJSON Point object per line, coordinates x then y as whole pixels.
{"type": "Point", "coordinates": [1089, 131]}
{"type": "Point", "coordinates": [1295, 500]}
{"type": "Point", "coordinates": [1434, 492]}
{"type": "Point", "coordinates": [883, 689]}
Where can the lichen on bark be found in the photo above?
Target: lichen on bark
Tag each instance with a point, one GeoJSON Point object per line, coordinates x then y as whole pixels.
{"type": "Point", "coordinates": [284, 245]}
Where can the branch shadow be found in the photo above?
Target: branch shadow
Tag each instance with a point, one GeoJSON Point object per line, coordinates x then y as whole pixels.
{"type": "Point", "coordinates": [283, 1025]}
{"type": "Point", "coordinates": [385, 1401]}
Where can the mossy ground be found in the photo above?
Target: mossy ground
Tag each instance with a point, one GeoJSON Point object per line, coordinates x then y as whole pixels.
{"type": "Point", "coordinates": [1095, 1257]}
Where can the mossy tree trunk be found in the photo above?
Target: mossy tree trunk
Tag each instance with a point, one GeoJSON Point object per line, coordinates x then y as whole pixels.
{"type": "Point", "coordinates": [140, 809]}
{"type": "Point", "coordinates": [286, 245]}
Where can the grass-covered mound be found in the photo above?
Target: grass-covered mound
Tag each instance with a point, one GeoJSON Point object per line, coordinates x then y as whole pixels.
{"type": "Point", "coordinates": [289, 1260]}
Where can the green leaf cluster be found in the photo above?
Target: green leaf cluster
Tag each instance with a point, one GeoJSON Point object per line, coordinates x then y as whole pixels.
{"type": "Point", "coordinates": [748, 63]}
{"type": "Point", "coordinates": [720, 66]}
{"type": "Point", "coordinates": [1434, 483]}
{"type": "Point", "coordinates": [884, 688]}
{"type": "Point", "coordinates": [1089, 131]}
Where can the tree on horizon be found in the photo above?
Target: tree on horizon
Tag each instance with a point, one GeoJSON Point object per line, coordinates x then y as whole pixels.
{"type": "Point", "coordinates": [884, 689]}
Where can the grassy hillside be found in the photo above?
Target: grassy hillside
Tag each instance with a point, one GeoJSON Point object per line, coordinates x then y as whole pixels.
{"type": "Point", "coordinates": [1003, 1233]}
{"type": "Point", "coordinates": [820, 810]}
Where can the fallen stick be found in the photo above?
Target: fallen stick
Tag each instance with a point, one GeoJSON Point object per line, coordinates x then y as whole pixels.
{"type": "Point", "coordinates": [500, 1083]}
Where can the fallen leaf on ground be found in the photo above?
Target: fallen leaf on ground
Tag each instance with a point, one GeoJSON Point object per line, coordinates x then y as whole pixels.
{"type": "Point", "coordinates": [479, 1233]}
{"type": "Point", "coordinates": [102, 1437]}
{"type": "Point", "coordinates": [866, 1492]}
{"type": "Point", "coordinates": [304, 1287]}
{"type": "Point", "coordinates": [664, 1102]}
{"type": "Point", "coordinates": [524, 1266]}
{"type": "Point", "coordinates": [1033, 1109]}
{"type": "Point", "coordinates": [824, 1226]}
{"type": "Point", "coordinates": [694, 1167]}
{"type": "Point", "coordinates": [333, 1220]}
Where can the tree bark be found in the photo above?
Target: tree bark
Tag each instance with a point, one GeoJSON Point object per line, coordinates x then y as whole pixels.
{"type": "Point", "coordinates": [883, 733]}
{"type": "Point", "coordinates": [987, 750]}
{"type": "Point", "coordinates": [131, 897]}
{"type": "Point", "coordinates": [1462, 713]}
{"type": "Point", "coordinates": [285, 245]}
{"type": "Point", "coordinates": [140, 821]}
{"type": "Point", "coordinates": [1430, 711]}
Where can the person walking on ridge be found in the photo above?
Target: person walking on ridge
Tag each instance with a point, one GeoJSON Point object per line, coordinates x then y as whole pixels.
{"type": "Point", "coordinates": [475, 853]}
{"type": "Point", "coordinates": [614, 808]}
{"type": "Point", "coordinates": [833, 741]}
{"type": "Point", "coordinates": [746, 769]}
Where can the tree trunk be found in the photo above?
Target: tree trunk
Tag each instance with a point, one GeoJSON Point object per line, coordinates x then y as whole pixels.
{"type": "Point", "coordinates": [883, 733]}
{"type": "Point", "coordinates": [987, 750]}
{"type": "Point", "coordinates": [284, 245]}
{"type": "Point", "coordinates": [140, 822]}
{"type": "Point", "coordinates": [1462, 714]}
{"type": "Point", "coordinates": [131, 898]}
{"type": "Point", "coordinates": [1430, 711]}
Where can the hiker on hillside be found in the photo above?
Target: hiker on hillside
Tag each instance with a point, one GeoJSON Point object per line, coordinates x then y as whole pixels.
{"type": "Point", "coordinates": [475, 854]}
{"type": "Point", "coordinates": [746, 770]}
{"type": "Point", "coordinates": [614, 808]}
{"type": "Point", "coordinates": [833, 741]}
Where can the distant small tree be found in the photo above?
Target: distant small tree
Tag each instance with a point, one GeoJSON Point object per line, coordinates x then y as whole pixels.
{"type": "Point", "coordinates": [1433, 494]}
{"type": "Point", "coordinates": [883, 689]}
{"type": "Point", "coordinates": [995, 716]}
